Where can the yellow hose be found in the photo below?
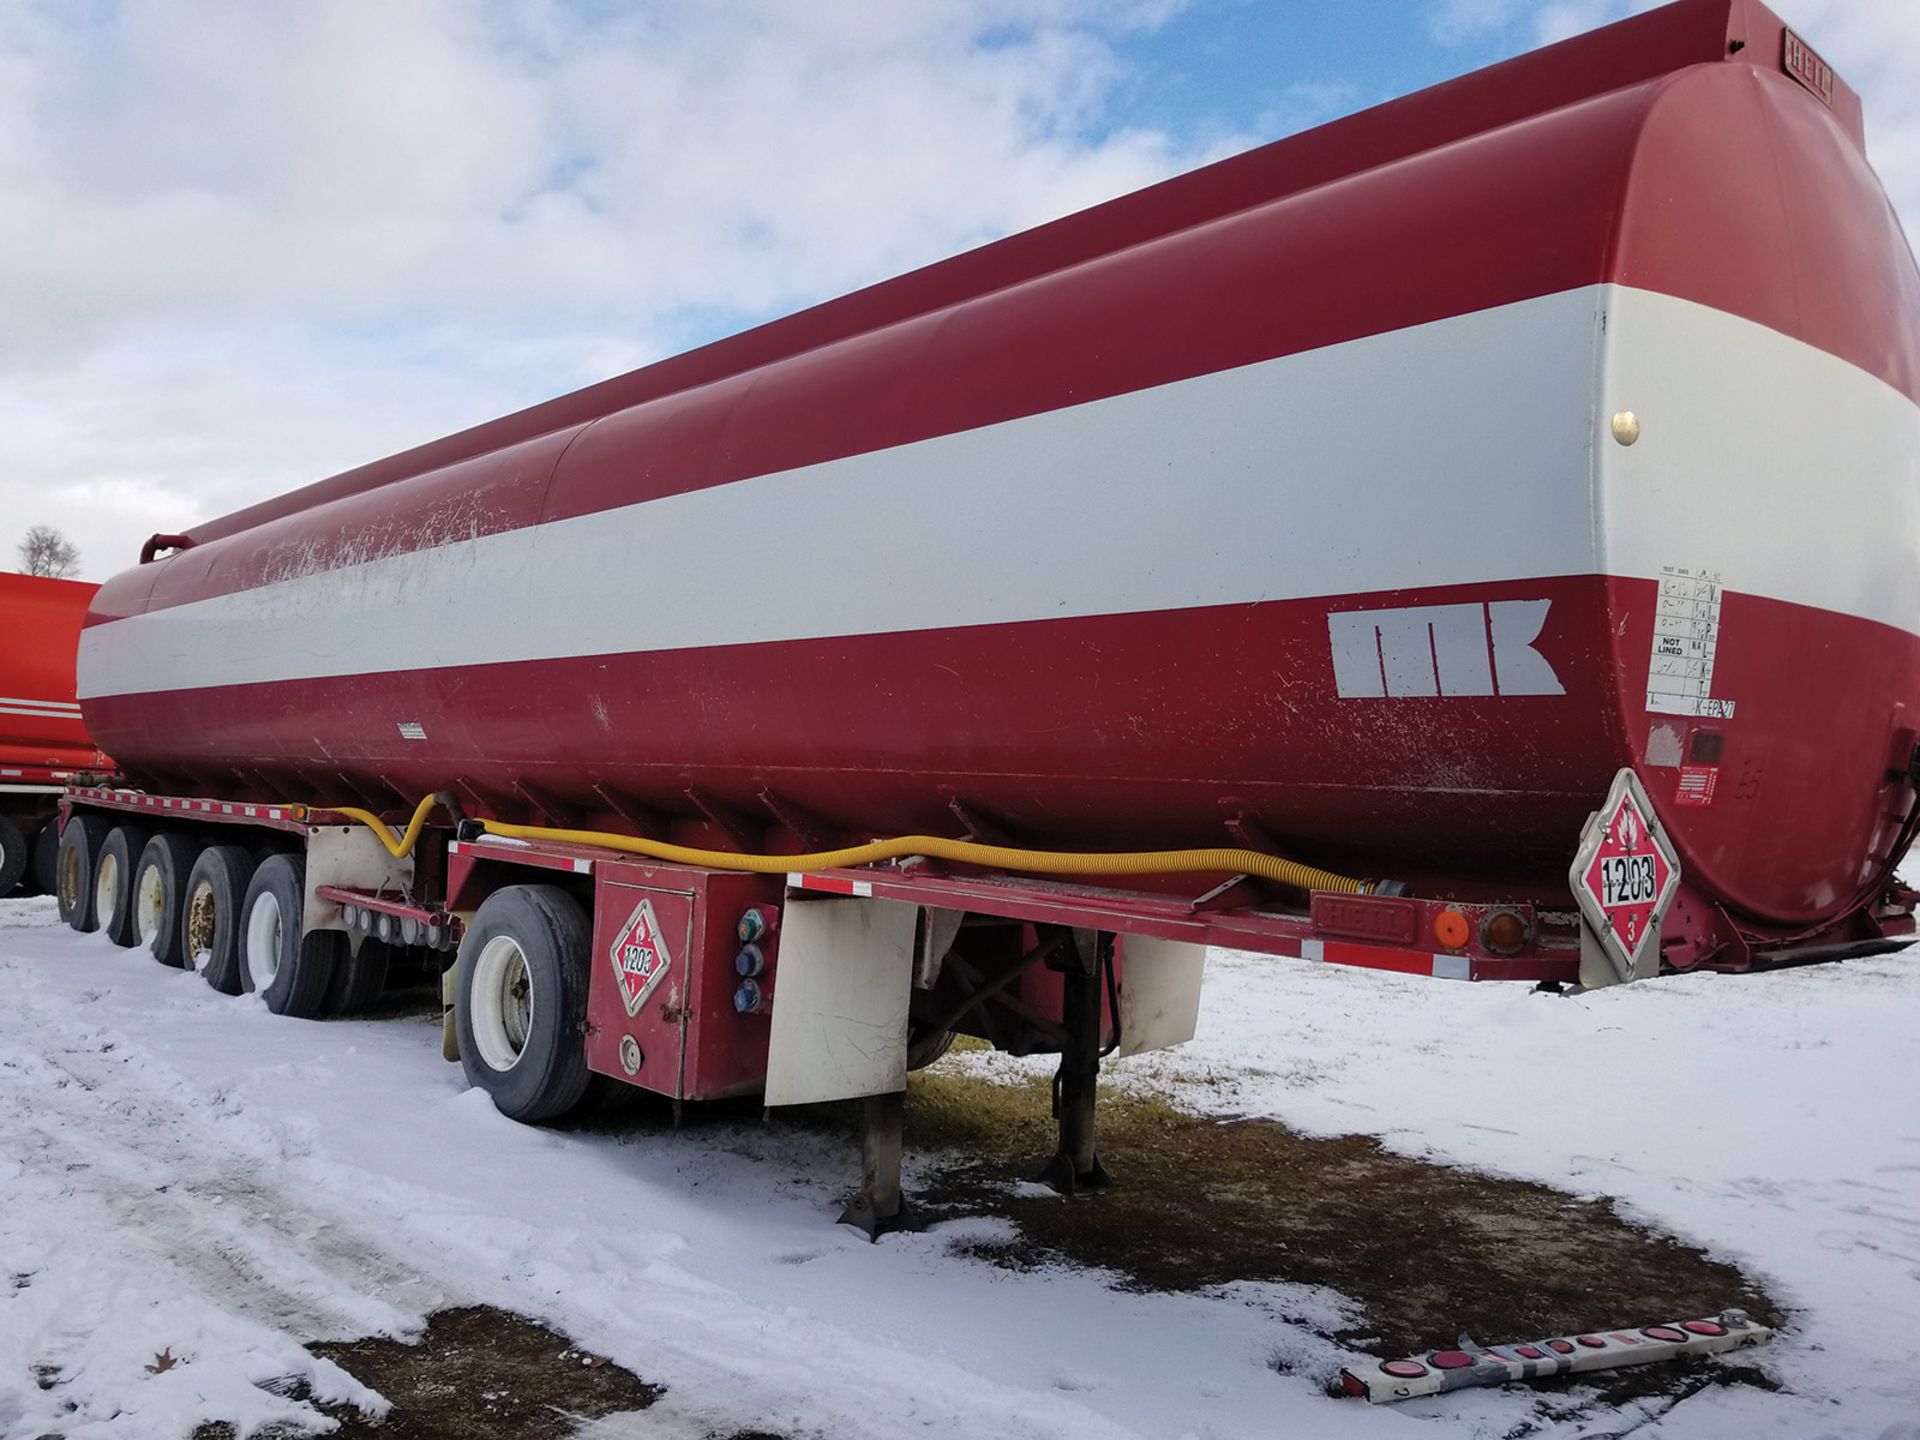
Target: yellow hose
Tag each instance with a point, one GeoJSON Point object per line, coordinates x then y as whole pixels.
{"type": "Point", "coordinates": [1224, 860]}
{"type": "Point", "coordinates": [398, 846]}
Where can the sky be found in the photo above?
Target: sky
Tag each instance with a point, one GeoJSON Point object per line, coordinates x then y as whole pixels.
{"type": "Point", "coordinates": [244, 245]}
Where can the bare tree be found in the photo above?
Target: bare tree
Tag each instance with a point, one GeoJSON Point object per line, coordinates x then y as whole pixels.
{"type": "Point", "coordinates": [47, 552]}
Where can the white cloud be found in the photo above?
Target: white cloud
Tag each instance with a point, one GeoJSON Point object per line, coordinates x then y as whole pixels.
{"type": "Point", "coordinates": [242, 246]}
{"type": "Point", "coordinates": [245, 245]}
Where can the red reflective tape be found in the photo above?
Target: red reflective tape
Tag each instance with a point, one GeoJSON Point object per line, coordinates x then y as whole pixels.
{"type": "Point", "coordinates": [1375, 957]}
{"type": "Point", "coordinates": [832, 884]}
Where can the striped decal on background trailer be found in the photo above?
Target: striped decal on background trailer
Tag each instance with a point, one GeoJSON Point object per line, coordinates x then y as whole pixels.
{"type": "Point", "coordinates": [51, 709]}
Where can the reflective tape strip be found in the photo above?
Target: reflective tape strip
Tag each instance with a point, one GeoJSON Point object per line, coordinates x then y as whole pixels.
{"type": "Point", "coordinates": [829, 884]}
{"type": "Point", "coordinates": [1452, 967]}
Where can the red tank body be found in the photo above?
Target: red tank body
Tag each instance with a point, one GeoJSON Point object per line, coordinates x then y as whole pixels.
{"type": "Point", "coordinates": [1391, 486]}
{"type": "Point", "coordinates": [40, 725]}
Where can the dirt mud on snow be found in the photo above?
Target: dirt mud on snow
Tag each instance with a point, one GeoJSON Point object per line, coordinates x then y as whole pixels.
{"type": "Point", "coordinates": [478, 1373]}
{"type": "Point", "coordinates": [1425, 1250]}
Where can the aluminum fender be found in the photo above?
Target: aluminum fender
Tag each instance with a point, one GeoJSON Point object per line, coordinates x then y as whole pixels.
{"type": "Point", "coordinates": [352, 856]}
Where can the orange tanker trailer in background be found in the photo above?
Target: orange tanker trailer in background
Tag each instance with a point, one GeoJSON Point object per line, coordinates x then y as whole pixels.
{"type": "Point", "coordinates": [43, 742]}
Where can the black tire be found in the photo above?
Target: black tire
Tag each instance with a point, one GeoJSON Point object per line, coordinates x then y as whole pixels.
{"type": "Point", "coordinates": [160, 895]}
{"type": "Point", "coordinates": [113, 871]}
{"type": "Point", "coordinates": [924, 1047]}
{"type": "Point", "coordinates": [542, 939]}
{"type": "Point", "coordinates": [210, 921]}
{"type": "Point", "coordinates": [288, 968]}
{"type": "Point", "coordinates": [13, 855]}
{"type": "Point", "coordinates": [45, 865]}
{"type": "Point", "coordinates": [359, 979]}
{"type": "Point", "coordinates": [80, 841]}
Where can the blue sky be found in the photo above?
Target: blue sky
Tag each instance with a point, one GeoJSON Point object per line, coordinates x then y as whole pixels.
{"type": "Point", "coordinates": [243, 246]}
{"type": "Point", "coordinates": [1225, 66]}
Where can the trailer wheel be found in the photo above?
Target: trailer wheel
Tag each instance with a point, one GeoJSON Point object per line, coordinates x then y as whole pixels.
{"type": "Point", "coordinates": [160, 895]}
{"type": "Point", "coordinates": [13, 855]}
{"type": "Point", "coordinates": [287, 967]}
{"type": "Point", "coordinates": [924, 1047]}
{"type": "Point", "coordinates": [80, 842]}
{"type": "Point", "coordinates": [216, 891]}
{"type": "Point", "coordinates": [45, 865]}
{"type": "Point", "coordinates": [113, 872]}
{"type": "Point", "coordinates": [520, 1001]}
{"type": "Point", "coordinates": [359, 978]}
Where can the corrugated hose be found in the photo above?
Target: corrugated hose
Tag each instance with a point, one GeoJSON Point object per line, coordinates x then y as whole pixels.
{"type": "Point", "coordinates": [1221, 860]}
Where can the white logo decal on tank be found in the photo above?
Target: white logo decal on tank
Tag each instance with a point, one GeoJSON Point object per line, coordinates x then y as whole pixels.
{"type": "Point", "coordinates": [412, 730]}
{"type": "Point", "coordinates": [1442, 650]}
{"type": "Point", "coordinates": [1686, 633]}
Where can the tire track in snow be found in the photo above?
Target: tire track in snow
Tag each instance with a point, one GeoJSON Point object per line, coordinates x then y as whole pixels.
{"type": "Point", "coordinates": [177, 1185]}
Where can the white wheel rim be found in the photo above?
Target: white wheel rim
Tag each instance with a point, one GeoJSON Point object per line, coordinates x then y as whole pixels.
{"type": "Point", "coordinates": [106, 886]}
{"type": "Point", "coordinates": [502, 1002]}
{"type": "Point", "coordinates": [149, 900]}
{"type": "Point", "coordinates": [263, 940]}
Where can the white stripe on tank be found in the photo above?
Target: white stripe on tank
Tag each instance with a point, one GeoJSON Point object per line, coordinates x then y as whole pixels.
{"type": "Point", "coordinates": [1456, 452]}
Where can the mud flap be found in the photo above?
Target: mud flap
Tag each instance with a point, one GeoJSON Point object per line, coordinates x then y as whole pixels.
{"type": "Point", "coordinates": [839, 1024]}
{"type": "Point", "coordinates": [1159, 993]}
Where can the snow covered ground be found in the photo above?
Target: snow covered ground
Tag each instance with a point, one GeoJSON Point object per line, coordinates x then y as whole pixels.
{"type": "Point", "coordinates": [188, 1174]}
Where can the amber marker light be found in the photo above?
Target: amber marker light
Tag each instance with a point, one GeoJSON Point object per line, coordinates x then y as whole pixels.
{"type": "Point", "coordinates": [1450, 928]}
{"type": "Point", "coordinates": [1504, 932]}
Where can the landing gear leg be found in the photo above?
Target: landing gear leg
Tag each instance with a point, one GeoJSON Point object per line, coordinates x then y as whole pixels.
{"type": "Point", "coordinates": [1076, 1166]}
{"type": "Point", "coordinates": [879, 1208]}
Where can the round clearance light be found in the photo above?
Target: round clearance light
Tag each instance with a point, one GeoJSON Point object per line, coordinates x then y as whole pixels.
{"type": "Point", "coordinates": [1704, 1327]}
{"type": "Point", "coordinates": [1403, 1369]}
{"type": "Point", "coordinates": [1592, 1342]}
{"type": "Point", "coordinates": [1504, 932]}
{"type": "Point", "coordinates": [1450, 928]}
{"type": "Point", "coordinates": [1560, 1347]}
{"type": "Point", "coordinates": [1529, 1352]}
{"type": "Point", "coordinates": [1663, 1332]}
{"type": "Point", "coordinates": [1450, 1360]}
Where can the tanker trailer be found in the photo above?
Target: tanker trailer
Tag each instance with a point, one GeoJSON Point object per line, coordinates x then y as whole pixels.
{"type": "Point", "coordinates": [1502, 499]}
{"type": "Point", "coordinates": [43, 743]}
